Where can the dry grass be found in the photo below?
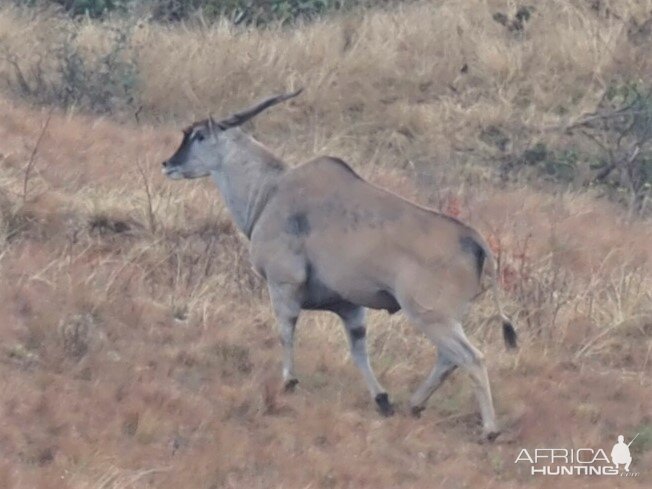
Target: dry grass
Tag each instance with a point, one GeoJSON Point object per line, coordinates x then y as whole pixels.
{"type": "Point", "coordinates": [415, 86]}
{"type": "Point", "coordinates": [138, 349]}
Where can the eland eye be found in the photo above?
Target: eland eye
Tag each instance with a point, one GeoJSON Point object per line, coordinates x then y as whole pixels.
{"type": "Point", "coordinates": [199, 136]}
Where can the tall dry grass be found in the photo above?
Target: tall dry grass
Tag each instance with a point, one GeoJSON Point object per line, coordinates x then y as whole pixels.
{"type": "Point", "coordinates": [415, 85]}
{"type": "Point", "coordinates": [138, 348]}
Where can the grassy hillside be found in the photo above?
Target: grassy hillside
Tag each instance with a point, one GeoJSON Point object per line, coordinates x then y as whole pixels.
{"type": "Point", "coordinates": [426, 85]}
{"type": "Point", "coordinates": [138, 348]}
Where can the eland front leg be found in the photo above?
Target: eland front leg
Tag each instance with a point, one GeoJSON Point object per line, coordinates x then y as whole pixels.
{"type": "Point", "coordinates": [287, 309]}
{"type": "Point", "coordinates": [354, 322]}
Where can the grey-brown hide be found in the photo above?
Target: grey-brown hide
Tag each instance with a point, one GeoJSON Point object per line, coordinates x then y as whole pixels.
{"type": "Point", "coordinates": [325, 239]}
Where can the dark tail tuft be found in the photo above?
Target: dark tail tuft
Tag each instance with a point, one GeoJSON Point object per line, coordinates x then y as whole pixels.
{"type": "Point", "coordinates": [509, 334]}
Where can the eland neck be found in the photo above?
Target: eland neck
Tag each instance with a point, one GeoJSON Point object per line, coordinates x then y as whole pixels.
{"type": "Point", "coordinates": [247, 178]}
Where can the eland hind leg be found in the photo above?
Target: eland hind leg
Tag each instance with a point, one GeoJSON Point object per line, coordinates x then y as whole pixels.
{"type": "Point", "coordinates": [456, 346]}
{"type": "Point", "coordinates": [456, 350]}
{"type": "Point", "coordinates": [442, 369]}
{"type": "Point", "coordinates": [354, 322]}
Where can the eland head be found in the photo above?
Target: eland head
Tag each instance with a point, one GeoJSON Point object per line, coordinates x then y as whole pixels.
{"type": "Point", "coordinates": [205, 143]}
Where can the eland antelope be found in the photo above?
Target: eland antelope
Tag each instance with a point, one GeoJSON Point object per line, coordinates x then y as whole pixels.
{"type": "Point", "coordinates": [326, 239]}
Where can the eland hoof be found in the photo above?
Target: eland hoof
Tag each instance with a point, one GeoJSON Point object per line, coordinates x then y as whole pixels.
{"type": "Point", "coordinates": [490, 435]}
{"type": "Point", "coordinates": [384, 406]}
{"type": "Point", "coordinates": [290, 385]}
{"type": "Point", "coordinates": [416, 411]}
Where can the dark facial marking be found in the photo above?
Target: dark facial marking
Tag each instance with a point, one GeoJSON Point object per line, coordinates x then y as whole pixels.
{"type": "Point", "coordinates": [358, 333]}
{"type": "Point", "coordinates": [298, 225]}
{"type": "Point", "coordinates": [180, 155]}
{"type": "Point", "coordinates": [469, 245]}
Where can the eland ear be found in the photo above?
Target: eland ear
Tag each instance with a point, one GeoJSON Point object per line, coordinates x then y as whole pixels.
{"type": "Point", "coordinates": [213, 125]}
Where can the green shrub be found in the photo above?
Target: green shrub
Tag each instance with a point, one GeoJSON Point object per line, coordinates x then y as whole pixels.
{"type": "Point", "coordinates": [92, 8]}
{"type": "Point", "coordinates": [621, 130]}
{"type": "Point", "coordinates": [610, 149]}
{"type": "Point", "coordinates": [256, 12]}
{"type": "Point", "coordinates": [559, 166]}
